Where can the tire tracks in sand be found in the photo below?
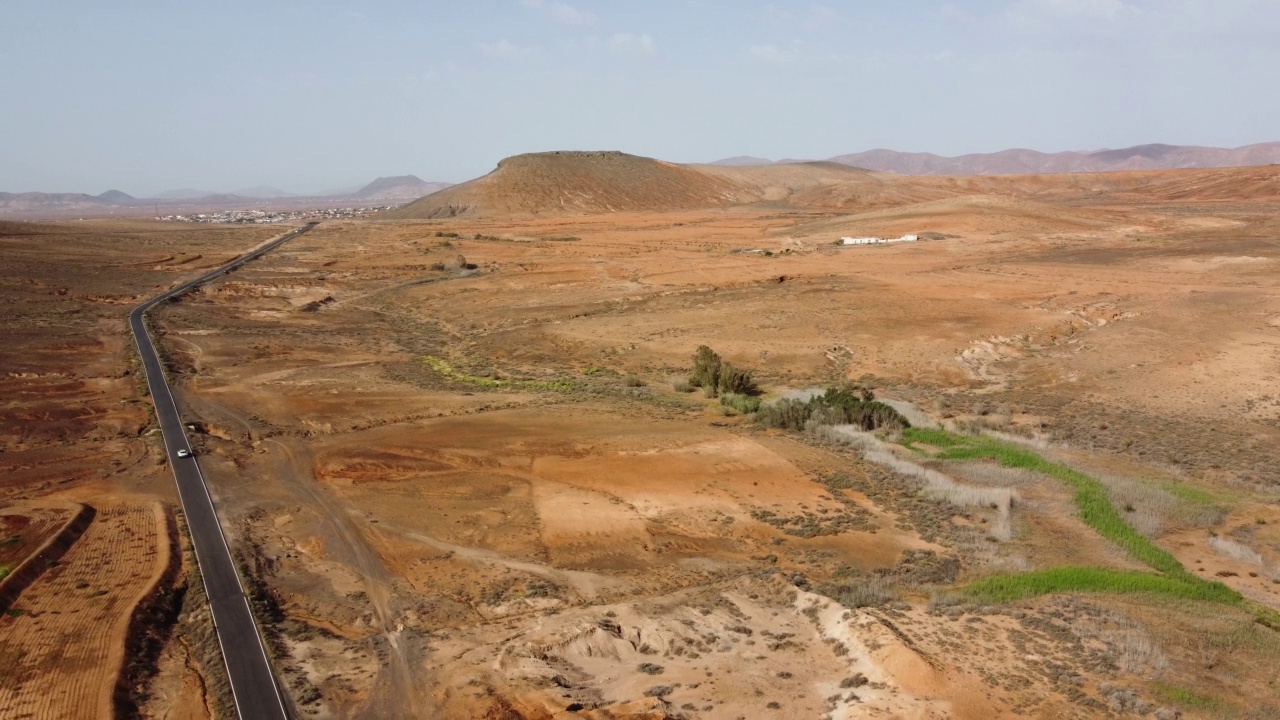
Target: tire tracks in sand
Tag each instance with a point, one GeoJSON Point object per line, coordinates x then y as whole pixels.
{"type": "Point", "coordinates": [397, 696]}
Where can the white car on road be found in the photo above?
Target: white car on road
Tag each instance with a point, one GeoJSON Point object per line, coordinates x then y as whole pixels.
{"type": "Point", "coordinates": [184, 453]}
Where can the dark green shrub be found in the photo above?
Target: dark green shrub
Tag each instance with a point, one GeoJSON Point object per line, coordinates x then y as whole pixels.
{"type": "Point", "coordinates": [837, 406]}
{"type": "Point", "coordinates": [706, 368]}
{"type": "Point", "coordinates": [736, 380]}
{"type": "Point", "coordinates": [715, 376]}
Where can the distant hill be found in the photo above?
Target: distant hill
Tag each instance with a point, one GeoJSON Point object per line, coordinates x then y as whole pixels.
{"type": "Point", "coordinates": [1029, 162]}
{"type": "Point", "coordinates": [399, 187]}
{"type": "Point", "coordinates": [1018, 161]}
{"type": "Point", "coordinates": [182, 194]}
{"type": "Point", "coordinates": [263, 191]}
{"type": "Point", "coordinates": [383, 191]}
{"type": "Point", "coordinates": [583, 182]}
{"type": "Point", "coordinates": [40, 202]}
{"type": "Point", "coordinates": [742, 161]}
{"type": "Point", "coordinates": [574, 181]}
{"type": "Point", "coordinates": [116, 197]}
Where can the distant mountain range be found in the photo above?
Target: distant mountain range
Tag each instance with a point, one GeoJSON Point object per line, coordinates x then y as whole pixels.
{"type": "Point", "coordinates": [1018, 161]}
{"type": "Point", "coordinates": [387, 190]}
{"type": "Point", "coordinates": [574, 182]}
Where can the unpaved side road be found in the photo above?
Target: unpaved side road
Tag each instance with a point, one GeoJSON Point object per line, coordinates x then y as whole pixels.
{"type": "Point", "coordinates": [395, 695]}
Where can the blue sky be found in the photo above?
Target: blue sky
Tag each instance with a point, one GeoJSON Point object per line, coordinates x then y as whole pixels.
{"type": "Point", "coordinates": [309, 96]}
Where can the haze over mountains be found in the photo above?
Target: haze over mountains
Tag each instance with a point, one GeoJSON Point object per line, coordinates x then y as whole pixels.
{"type": "Point", "coordinates": [607, 181]}
{"type": "Point", "coordinates": [382, 190]}
{"type": "Point", "coordinates": [1019, 161]}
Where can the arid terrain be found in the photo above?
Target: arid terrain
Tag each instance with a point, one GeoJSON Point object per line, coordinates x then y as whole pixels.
{"type": "Point", "coordinates": [456, 450]}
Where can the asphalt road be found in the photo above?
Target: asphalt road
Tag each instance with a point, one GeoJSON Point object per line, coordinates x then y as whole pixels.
{"type": "Point", "coordinates": [253, 685]}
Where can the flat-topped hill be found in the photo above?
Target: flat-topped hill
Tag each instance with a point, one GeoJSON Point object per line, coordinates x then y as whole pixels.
{"type": "Point", "coordinates": [576, 182]}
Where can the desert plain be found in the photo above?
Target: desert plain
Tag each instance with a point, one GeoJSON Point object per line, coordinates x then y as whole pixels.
{"type": "Point", "coordinates": [457, 454]}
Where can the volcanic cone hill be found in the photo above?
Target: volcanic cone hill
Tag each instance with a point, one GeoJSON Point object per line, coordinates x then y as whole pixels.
{"type": "Point", "coordinates": [574, 182]}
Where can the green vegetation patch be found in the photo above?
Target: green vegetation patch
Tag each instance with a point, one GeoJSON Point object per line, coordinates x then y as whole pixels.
{"type": "Point", "coordinates": [744, 404]}
{"type": "Point", "coordinates": [448, 371]}
{"type": "Point", "coordinates": [936, 438]}
{"type": "Point", "coordinates": [1091, 496]}
{"type": "Point", "coordinates": [1019, 586]}
{"type": "Point", "coordinates": [4, 571]}
{"type": "Point", "coordinates": [1097, 511]}
{"type": "Point", "coordinates": [1191, 494]}
{"type": "Point", "coordinates": [1186, 697]}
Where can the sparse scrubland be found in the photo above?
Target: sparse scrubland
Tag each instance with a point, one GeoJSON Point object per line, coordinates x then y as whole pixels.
{"type": "Point", "coordinates": [490, 465]}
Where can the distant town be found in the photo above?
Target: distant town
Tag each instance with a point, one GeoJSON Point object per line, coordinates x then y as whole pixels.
{"type": "Point", "coordinates": [266, 217]}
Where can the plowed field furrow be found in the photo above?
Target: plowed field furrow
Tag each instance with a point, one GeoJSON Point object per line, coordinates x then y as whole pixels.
{"type": "Point", "coordinates": [61, 646]}
{"type": "Point", "coordinates": [23, 529]}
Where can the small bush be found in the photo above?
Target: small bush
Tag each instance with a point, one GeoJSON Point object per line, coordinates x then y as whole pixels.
{"type": "Point", "coordinates": [857, 680]}
{"type": "Point", "coordinates": [681, 386]}
{"type": "Point", "coordinates": [736, 380]}
{"type": "Point", "coordinates": [633, 381]}
{"type": "Point", "coordinates": [706, 368]}
{"type": "Point", "coordinates": [659, 691]}
{"type": "Point", "coordinates": [785, 413]}
{"type": "Point", "coordinates": [744, 404]}
{"type": "Point", "coordinates": [715, 376]}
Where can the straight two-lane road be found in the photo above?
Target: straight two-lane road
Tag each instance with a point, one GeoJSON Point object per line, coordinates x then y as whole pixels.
{"type": "Point", "coordinates": [253, 684]}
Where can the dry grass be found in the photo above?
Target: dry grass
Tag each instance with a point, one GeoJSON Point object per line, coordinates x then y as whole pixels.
{"type": "Point", "coordinates": [861, 591]}
{"type": "Point", "coordinates": [913, 414]}
{"type": "Point", "coordinates": [988, 474]}
{"type": "Point", "coordinates": [1232, 549]}
{"type": "Point", "coordinates": [1131, 644]}
{"type": "Point", "coordinates": [939, 485]}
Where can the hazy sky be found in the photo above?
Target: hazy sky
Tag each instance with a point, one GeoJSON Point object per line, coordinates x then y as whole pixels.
{"type": "Point", "coordinates": [316, 95]}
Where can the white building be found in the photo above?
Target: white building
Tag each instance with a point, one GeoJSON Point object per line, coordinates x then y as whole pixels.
{"type": "Point", "coordinates": [876, 240]}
